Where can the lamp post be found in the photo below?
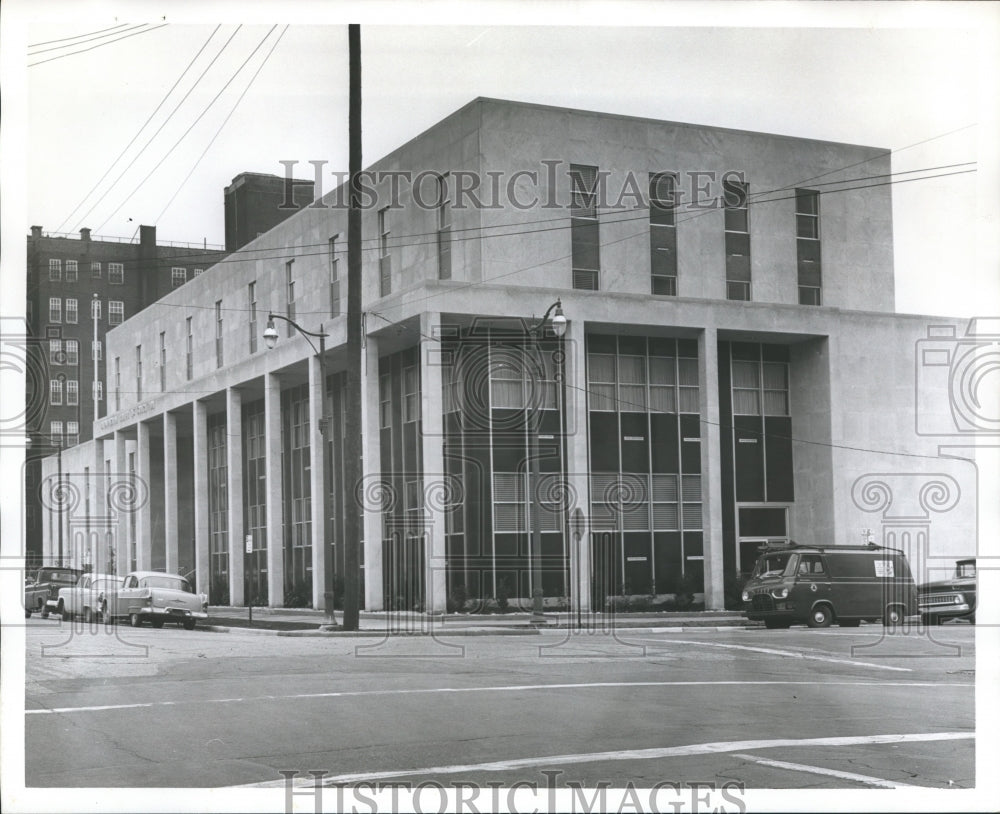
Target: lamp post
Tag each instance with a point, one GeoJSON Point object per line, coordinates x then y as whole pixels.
{"type": "Point", "coordinates": [558, 324]}
{"type": "Point", "coordinates": [271, 339]}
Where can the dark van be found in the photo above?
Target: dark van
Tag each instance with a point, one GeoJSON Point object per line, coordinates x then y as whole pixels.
{"type": "Point", "coordinates": [818, 585]}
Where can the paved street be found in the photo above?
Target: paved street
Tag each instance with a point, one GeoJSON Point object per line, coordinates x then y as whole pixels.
{"type": "Point", "coordinates": [793, 709]}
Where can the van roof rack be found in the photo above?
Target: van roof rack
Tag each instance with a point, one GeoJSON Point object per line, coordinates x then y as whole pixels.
{"type": "Point", "coordinates": [792, 545]}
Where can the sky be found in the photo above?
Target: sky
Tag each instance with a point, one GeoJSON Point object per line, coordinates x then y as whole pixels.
{"type": "Point", "coordinates": [917, 79]}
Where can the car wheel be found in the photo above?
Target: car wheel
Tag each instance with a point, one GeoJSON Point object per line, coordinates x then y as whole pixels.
{"type": "Point", "coordinates": [66, 615]}
{"type": "Point", "coordinates": [27, 613]}
{"type": "Point", "coordinates": [88, 616]}
{"type": "Point", "coordinates": [849, 622]}
{"type": "Point", "coordinates": [157, 623]}
{"type": "Point", "coordinates": [893, 616]}
{"type": "Point", "coordinates": [821, 616]}
{"type": "Point", "coordinates": [190, 623]}
{"type": "Point", "coordinates": [45, 612]}
{"type": "Point", "coordinates": [135, 620]}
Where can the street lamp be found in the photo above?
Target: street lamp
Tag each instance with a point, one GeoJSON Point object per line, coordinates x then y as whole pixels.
{"type": "Point", "coordinates": [271, 340]}
{"type": "Point", "coordinates": [558, 325]}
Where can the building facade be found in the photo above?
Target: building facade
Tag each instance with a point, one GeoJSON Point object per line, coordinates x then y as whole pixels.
{"type": "Point", "coordinates": [732, 373]}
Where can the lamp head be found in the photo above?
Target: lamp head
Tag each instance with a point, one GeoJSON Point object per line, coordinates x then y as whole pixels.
{"type": "Point", "coordinates": [558, 320]}
{"type": "Point", "coordinates": [270, 334]}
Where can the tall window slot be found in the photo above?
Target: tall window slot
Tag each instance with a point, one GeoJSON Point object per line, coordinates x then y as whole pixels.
{"type": "Point", "coordinates": [163, 362]}
{"type": "Point", "coordinates": [290, 296]}
{"type": "Point", "coordinates": [252, 303]}
{"type": "Point", "coordinates": [218, 333]}
{"type": "Point", "coordinates": [138, 373]}
{"type": "Point", "coordinates": [662, 234]}
{"type": "Point", "coordinates": [189, 351]}
{"type": "Point", "coordinates": [584, 228]}
{"type": "Point", "coordinates": [334, 278]}
{"type": "Point", "coordinates": [737, 217]}
{"type": "Point", "coordinates": [384, 260]}
{"type": "Point", "coordinates": [444, 229]}
{"type": "Point", "coordinates": [807, 247]}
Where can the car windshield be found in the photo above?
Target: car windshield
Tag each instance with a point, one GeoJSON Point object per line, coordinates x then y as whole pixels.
{"type": "Point", "coordinates": [771, 565]}
{"type": "Point", "coordinates": [104, 584]}
{"type": "Point", "coordinates": [167, 581]}
{"type": "Point", "coordinates": [64, 577]}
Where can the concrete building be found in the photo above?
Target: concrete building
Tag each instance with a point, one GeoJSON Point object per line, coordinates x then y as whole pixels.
{"type": "Point", "coordinates": [732, 372]}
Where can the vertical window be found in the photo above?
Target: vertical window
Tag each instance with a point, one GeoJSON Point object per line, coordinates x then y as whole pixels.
{"type": "Point", "coordinates": [72, 271]}
{"type": "Point", "coordinates": [55, 270]}
{"type": "Point", "coordinates": [662, 234]}
{"type": "Point", "coordinates": [163, 362]}
{"type": "Point", "coordinates": [509, 492]}
{"type": "Point", "coordinates": [189, 351]}
{"type": "Point", "coordinates": [737, 222]}
{"type": "Point", "coordinates": [95, 269]}
{"type": "Point", "coordinates": [807, 247]}
{"type": "Point", "coordinates": [116, 312]}
{"type": "Point", "coordinates": [411, 394]}
{"type": "Point", "coordinates": [55, 392]}
{"type": "Point", "coordinates": [138, 373]}
{"type": "Point", "coordinates": [72, 352]}
{"type": "Point", "coordinates": [96, 350]}
{"type": "Point", "coordinates": [444, 229]}
{"type": "Point", "coordinates": [118, 383]}
{"type": "Point", "coordinates": [252, 302]}
{"type": "Point", "coordinates": [72, 392]}
{"type": "Point", "coordinates": [218, 333]}
{"type": "Point", "coordinates": [99, 391]}
{"type": "Point", "coordinates": [116, 273]}
{"type": "Point", "coordinates": [289, 297]}
{"type": "Point", "coordinates": [334, 277]}
{"type": "Point", "coordinates": [198, 271]}
{"type": "Point", "coordinates": [56, 431]}
{"type": "Point", "coordinates": [178, 276]}
{"type": "Point", "coordinates": [72, 313]}
{"type": "Point", "coordinates": [72, 432]}
{"type": "Point", "coordinates": [95, 308]}
{"type": "Point", "coordinates": [584, 228]}
{"type": "Point", "coordinates": [56, 352]}
{"type": "Point", "coordinates": [384, 260]}
{"type": "Point", "coordinates": [759, 387]}
{"type": "Point", "coordinates": [55, 309]}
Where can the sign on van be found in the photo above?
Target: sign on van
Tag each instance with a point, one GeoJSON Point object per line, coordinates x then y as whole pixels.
{"type": "Point", "coordinates": [883, 569]}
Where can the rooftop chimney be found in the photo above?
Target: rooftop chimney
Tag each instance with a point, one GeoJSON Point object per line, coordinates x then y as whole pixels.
{"type": "Point", "coordinates": [36, 231]}
{"type": "Point", "coordinates": [85, 234]}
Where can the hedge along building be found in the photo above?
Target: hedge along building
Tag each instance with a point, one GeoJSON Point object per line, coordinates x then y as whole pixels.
{"type": "Point", "coordinates": [732, 372]}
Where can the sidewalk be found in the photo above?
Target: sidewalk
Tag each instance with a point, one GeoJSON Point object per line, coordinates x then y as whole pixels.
{"type": "Point", "coordinates": [308, 622]}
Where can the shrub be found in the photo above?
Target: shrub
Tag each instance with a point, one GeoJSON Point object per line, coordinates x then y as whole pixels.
{"type": "Point", "coordinates": [457, 598]}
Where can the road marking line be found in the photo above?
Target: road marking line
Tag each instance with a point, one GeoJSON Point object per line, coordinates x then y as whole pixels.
{"type": "Point", "coordinates": [631, 754]}
{"type": "Point", "coordinates": [513, 688]}
{"type": "Point", "coordinates": [800, 767]}
{"type": "Point", "coordinates": [789, 653]}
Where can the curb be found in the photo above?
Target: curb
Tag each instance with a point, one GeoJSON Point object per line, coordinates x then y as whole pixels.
{"type": "Point", "coordinates": [507, 631]}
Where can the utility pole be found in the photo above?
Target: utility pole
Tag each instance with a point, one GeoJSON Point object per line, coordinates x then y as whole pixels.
{"type": "Point", "coordinates": [352, 419]}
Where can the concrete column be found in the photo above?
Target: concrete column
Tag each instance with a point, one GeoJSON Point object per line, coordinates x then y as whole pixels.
{"type": "Point", "coordinates": [577, 460]}
{"type": "Point", "coordinates": [711, 468]}
{"type": "Point", "coordinates": [371, 465]}
{"type": "Point", "coordinates": [317, 482]}
{"type": "Point", "coordinates": [234, 491]}
{"type": "Point", "coordinates": [200, 467]}
{"type": "Point", "coordinates": [119, 511]}
{"type": "Point", "coordinates": [432, 453]}
{"type": "Point", "coordinates": [275, 500]}
{"type": "Point", "coordinates": [144, 524]}
{"type": "Point", "coordinates": [170, 519]}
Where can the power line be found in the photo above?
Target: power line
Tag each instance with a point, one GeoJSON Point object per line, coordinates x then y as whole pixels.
{"type": "Point", "coordinates": [225, 121]}
{"type": "Point", "coordinates": [99, 45]}
{"type": "Point", "coordinates": [398, 243]}
{"type": "Point", "coordinates": [100, 37]}
{"type": "Point", "coordinates": [185, 133]}
{"type": "Point", "coordinates": [78, 36]}
{"type": "Point", "coordinates": [143, 127]}
{"type": "Point", "coordinates": [170, 115]}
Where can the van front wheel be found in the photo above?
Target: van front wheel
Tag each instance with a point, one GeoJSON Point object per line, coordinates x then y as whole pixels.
{"type": "Point", "coordinates": [821, 616]}
{"type": "Point", "coordinates": [893, 616]}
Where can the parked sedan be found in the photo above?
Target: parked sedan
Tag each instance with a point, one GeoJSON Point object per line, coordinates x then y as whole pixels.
{"type": "Point", "coordinates": [158, 598]}
{"type": "Point", "coordinates": [89, 597]}
{"type": "Point", "coordinates": [953, 598]}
